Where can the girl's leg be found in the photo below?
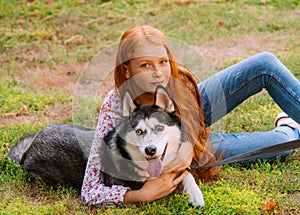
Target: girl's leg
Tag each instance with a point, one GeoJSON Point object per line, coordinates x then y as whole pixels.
{"type": "Point", "coordinates": [225, 90]}
{"type": "Point", "coordinates": [234, 144]}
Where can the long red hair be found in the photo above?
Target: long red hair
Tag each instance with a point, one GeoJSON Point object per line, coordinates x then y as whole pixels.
{"type": "Point", "coordinates": [182, 88]}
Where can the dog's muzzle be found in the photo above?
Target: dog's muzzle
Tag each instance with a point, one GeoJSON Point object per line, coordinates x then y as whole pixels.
{"type": "Point", "coordinates": [155, 165]}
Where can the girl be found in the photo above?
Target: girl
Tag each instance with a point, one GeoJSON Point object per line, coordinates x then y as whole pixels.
{"type": "Point", "coordinates": [144, 61]}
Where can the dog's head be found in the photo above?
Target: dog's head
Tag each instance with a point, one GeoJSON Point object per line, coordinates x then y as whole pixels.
{"type": "Point", "coordinates": [154, 130]}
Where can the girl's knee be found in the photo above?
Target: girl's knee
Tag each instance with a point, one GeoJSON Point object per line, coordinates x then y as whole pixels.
{"type": "Point", "coordinates": [268, 56]}
{"type": "Point", "coordinates": [268, 62]}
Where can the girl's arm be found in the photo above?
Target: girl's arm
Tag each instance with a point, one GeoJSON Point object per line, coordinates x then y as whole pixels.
{"type": "Point", "coordinates": [93, 191]}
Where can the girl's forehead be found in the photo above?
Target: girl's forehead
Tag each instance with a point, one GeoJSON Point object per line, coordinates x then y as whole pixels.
{"type": "Point", "coordinates": [157, 51]}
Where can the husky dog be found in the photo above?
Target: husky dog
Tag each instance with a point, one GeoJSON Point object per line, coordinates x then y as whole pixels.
{"type": "Point", "coordinates": [150, 141]}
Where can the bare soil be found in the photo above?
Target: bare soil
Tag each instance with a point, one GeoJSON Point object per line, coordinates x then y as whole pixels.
{"type": "Point", "coordinates": [64, 77]}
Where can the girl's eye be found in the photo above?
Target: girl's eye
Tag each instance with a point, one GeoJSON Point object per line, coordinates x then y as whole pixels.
{"type": "Point", "coordinates": [145, 65]}
{"type": "Point", "coordinates": [159, 128]}
{"type": "Point", "coordinates": [164, 61]}
{"type": "Point", "coordinates": [139, 132]}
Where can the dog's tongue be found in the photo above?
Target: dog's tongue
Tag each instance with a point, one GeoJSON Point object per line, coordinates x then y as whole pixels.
{"type": "Point", "coordinates": [155, 167]}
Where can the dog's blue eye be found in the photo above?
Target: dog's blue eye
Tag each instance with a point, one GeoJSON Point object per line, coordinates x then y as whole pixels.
{"type": "Point", "coordinates": [159, 128]}
{"type": "Point", "coordinates": [139, 132]}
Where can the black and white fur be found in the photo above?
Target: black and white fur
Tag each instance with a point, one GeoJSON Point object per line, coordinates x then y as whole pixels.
{"type": "Point", "coordinates": [146, 133]}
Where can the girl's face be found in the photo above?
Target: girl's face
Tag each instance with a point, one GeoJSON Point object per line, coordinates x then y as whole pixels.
{"type": "Point", "coordinates": [150, 67]}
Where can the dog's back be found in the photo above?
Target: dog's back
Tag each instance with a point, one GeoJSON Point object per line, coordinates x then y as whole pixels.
{"type": "Point", "coordinates": [57, 154]}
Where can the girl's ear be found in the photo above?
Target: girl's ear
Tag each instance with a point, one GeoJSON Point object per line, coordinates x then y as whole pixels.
{"type": "Point", "coordinates": [128, 104]}
{"type": "Point", "coordinates": [126, 71]}
{"type": "Point", "coordinates": [163, 100]}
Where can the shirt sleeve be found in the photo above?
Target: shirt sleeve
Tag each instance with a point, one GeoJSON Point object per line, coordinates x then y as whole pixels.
{"type": "Point", "coordinates": [93, 191]}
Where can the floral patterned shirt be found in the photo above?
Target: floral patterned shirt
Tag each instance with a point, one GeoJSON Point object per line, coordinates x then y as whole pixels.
{"type": "Point", "coordinates": [93, 191]}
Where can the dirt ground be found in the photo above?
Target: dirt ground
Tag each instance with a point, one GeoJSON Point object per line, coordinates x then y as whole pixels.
{"type": "Point", "coordinates": [65, 77]}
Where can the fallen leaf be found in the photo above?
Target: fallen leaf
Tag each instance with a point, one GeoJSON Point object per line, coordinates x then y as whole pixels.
{"type": "Point", "coordinates": [221, 23]}
{"type": "Point", "coordinates": [269, 205]}
{"type": "Point", "coordinates": [34, 14]}
{"type": "Point", "coordinates": [21, 20]}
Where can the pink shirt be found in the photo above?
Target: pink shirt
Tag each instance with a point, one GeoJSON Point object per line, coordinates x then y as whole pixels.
{"type": "Point", "coordinates": [93, 191]}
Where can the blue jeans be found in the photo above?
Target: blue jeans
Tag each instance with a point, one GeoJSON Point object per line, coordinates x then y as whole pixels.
{"type": "Point", "coordinates": [224, 91]}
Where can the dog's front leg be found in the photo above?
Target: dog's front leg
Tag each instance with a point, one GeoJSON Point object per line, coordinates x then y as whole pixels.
{"type": "Point", "coordinates": [193, 191]}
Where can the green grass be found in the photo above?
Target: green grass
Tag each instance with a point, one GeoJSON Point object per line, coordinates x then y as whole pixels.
{"type": "Point", "coordinates": [13, 97]}
{"type": "Point", "coordinates": [37, 36]}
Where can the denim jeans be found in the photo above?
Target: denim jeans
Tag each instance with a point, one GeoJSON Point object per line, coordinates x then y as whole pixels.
{"type": "Point", "coordinates": [225, 90]}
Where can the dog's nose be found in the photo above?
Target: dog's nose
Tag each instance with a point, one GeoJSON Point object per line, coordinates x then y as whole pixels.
{"type": "Point", "coordinates": [150, 150]}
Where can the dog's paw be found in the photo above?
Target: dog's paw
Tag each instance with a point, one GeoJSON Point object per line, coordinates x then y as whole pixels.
{"type": "Point", "coordinates": [194, 193]}
{"type": "Point", "coordinates": [196, 199]}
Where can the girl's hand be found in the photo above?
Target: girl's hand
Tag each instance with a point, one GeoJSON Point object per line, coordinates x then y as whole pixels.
{"type": "Point", "coordinates": [155, 188]}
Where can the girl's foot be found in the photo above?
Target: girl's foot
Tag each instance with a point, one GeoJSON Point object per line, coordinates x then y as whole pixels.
{"type": "Point", "coordinates": [284, 119]}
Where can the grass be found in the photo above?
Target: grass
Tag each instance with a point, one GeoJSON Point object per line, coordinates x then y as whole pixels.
{"type": "Point", "coordinates": [45, 35]}
{"type": "Point", "coordinates": [14, 97]}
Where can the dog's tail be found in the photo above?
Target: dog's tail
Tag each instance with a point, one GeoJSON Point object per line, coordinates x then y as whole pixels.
{"type": "Point", "coordinates": [19, 150]}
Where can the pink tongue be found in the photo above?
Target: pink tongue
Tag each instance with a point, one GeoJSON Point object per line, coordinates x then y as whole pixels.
{"type": "Point", "coordinates": [155, 167]}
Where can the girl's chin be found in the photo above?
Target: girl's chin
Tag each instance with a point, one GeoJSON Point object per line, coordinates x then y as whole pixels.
{"type": "Point", "coordinates": [150, 88]}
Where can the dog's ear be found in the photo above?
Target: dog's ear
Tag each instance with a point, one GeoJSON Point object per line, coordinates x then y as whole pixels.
{"type": "Point", "coordinates": [128, 104]}
{"type": "Point", "coordinates": [163, 100]}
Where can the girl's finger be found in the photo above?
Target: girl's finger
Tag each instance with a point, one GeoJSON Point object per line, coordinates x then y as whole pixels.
{"type": "Point", "coordinates": [179, 178]}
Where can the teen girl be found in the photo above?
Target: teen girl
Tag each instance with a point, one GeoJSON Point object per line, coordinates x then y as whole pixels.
{"type": "Point", "coordinates": [144, 61]}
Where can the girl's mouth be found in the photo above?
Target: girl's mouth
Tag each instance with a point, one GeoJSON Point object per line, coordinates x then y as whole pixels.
{"type": "Point", "coordinates": [157, 83]}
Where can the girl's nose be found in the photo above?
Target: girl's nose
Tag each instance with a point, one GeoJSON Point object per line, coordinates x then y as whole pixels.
{"type": "Point", "coordinates": [157, 72]}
